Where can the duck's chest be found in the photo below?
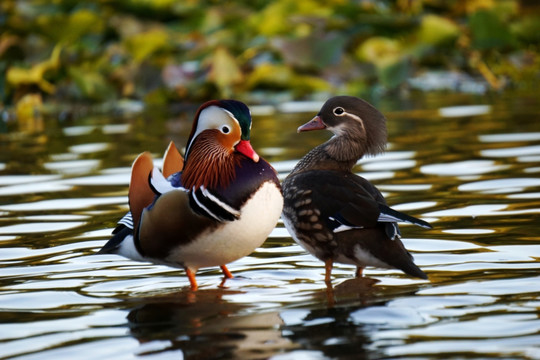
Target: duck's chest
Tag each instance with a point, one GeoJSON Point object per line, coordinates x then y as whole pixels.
{"type": "Point", "coordinates": [232, 240]}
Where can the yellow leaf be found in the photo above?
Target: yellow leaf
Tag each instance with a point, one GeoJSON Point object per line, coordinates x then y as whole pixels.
{"type": "Point", "coordinates": [84, 21]}
{"type": "Point", "coordinates": [224, 71]}
{"type": "Point", "coordinates": [435, 29]}
{"type": "Point", "coordinates": [19, 76]}
{"type": "Point", "coordinates": [282, 76]}
{"type": "Point", "coordinates": [156, 4]}
{"type": "Point", "coordinates": [142, 45]}
{"type": "Point", "coordinates": [476, 5]}
{"type": "Point", "coordinates": [306, 84]}
{"type": "Point", "coordinates": [380, 51]}
{"type": "Point", "coordinates": [269, 74]}
{"type": "Point", "coordinates": [28, 112]}
{"type": "Point", "coordinates": [274, 18]}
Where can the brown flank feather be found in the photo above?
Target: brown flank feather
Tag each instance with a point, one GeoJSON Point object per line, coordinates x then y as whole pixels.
{"type": "Point", "coordinates": [140, 194]}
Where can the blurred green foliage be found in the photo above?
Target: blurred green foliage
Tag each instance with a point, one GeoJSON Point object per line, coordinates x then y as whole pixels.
{"type": "Point", "coordinates": [161, 51]}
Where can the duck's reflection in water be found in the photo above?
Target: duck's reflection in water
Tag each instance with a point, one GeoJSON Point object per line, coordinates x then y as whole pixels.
{"type": "Point", "coordinates": [203, 325]}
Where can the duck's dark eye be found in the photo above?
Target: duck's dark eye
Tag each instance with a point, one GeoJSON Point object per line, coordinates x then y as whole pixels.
{"type": "Point", "coordinates": [225, 129]}
{"type": "Point", "coordinates": [339, 111]}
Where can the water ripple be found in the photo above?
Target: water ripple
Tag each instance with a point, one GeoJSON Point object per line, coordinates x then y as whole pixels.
{"type": "Point", "coordinates": [467, 167]}
{"type": "Point", "coordinates": [473, 178]}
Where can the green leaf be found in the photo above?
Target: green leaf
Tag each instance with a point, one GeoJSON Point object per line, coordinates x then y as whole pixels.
{"type": "Point", "coordinates": [527, 29]}
{"type": "Point", "coordinates": [489, 31]}
{"type": "Point", "coordinates": [393, 75]}
{"type": "Point", "coordinates": [92, 84]}
{"type": "Point", "coordinates": [312, 51]}
{"type": "Point", "coordinates": [71, 27]}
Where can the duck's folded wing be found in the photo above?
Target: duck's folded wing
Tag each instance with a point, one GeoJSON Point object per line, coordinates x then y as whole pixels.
{"type": "Point", "coordinates": [339, 202]}
{"type": "Point", "coordinates": [387, 214]}
{"type": "Point", "coordinates": [170, 222]}
{"type": "Point", "coordinates": [390, 215]}
{"type": "Point", "coordinates": [351, 202]}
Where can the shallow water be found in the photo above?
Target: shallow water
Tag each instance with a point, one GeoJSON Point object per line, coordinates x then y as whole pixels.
{"type": "Point", "coordinates": [469, 165]}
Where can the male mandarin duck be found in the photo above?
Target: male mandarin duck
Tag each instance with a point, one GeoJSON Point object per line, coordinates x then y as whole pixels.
{"type": "Point", "coordinates": [334, 214]}
{"type": "Point", "coordinates": [213, 207]}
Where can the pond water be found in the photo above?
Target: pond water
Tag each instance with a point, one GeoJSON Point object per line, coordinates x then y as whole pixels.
{"type": "Point", "coordinates": [468, 164]}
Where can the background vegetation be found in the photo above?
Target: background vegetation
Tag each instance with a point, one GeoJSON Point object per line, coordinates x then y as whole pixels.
{"type": "Point", "coordinates": [163, 51]}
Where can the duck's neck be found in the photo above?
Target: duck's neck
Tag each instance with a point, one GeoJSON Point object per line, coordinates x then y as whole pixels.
{"type": "Point", "coordinates": [209, 165]}
{"type": "Point", "coordinates": [339, 153]}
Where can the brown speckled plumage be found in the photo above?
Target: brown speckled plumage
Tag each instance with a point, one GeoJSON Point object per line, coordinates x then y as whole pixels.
{"type": "Point", "coordinates": [334, 214]}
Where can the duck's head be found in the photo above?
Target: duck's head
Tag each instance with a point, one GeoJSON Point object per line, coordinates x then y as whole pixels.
{"type": "Point", "coordinates": [353, 119]}
{"type": "Point", "coordinates": [219, 140]}
{"type": "Point", "coordinates": [226, 122]}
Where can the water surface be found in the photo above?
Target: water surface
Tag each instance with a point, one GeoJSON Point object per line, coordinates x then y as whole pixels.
{"type": "Point", "coordinates": [469, 165]}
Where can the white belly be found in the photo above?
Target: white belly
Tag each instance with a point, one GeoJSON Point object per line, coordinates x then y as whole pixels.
{"type": "Point", "coordinates": [237, 238]}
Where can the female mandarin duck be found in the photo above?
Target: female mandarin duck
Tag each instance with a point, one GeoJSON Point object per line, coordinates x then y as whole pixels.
{"type": "Point", "coordinates": [212, 208]}
{"type": "Point", "coordinates": [334, 214]}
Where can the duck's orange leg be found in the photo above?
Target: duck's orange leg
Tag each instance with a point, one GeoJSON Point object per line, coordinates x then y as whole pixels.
{"type": "Point", "coordinates": [191, 276]}
{"type": "Point", "coordinates": [226, 272]}
{"type": "Point", "coordinates": [359, 271]}
{"type": "Point", "coordinates": [328, 264]}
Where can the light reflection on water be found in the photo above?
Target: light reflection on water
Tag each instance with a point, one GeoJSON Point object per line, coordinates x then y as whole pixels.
{"type": "Point", "coordinates": [472, 174]}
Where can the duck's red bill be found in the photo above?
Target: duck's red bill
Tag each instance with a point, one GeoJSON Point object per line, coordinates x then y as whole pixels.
{"type": "Point", "coordinates": [244, 147]}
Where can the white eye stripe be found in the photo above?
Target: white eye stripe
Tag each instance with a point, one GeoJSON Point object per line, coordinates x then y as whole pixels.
{"type": "Point", "coordinates": [231, 115]}
{"type": "Point", "coordinates": [339, 111]}
{"type": "Point", "coordinates": [212, 117]}
{"type": "Point", "coordinates": [342, 129]}
{"type": "Point", "coordinates": [355, 117]}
